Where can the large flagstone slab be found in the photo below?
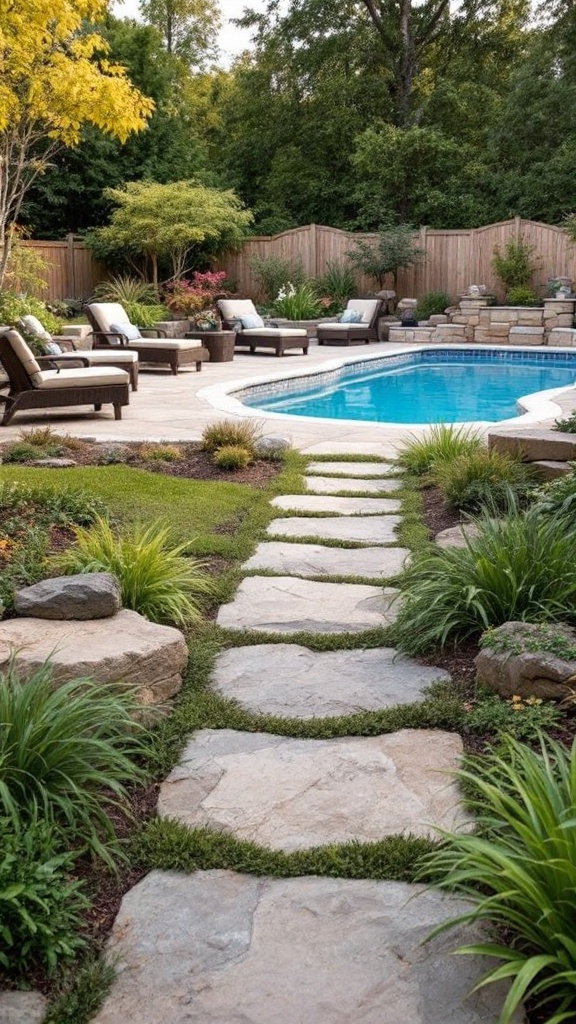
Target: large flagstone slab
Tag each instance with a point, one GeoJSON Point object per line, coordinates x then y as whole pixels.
{"type": "Point", "coordinates": [335, 484]}
{"type": "Point", "coordinates": [360, 529]}
{"type": "Point", "coordinates": [216, 947]}
{"type": "Point", "coordinates": [316, 560]}
{"type": "Point", "coordinates": [339, 506]}
{"type": "Point", "coordinates": [287, 604]}
{"type": "Point", "coordinates": [352, 469]}
{"type": "Point", "coordinates": [292, 794]}
{"type": "Point", "coordinates": [291, 681]}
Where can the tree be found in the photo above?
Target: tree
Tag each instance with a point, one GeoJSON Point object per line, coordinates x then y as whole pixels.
{"type": "Point", "coordinates": [393, 249]}
{"type": "Point", "coordinates": [181, 222]}
{"type": "Point", "coordinates": [51, 85]}
{"type": "Point", "coordinates": [188, 27]}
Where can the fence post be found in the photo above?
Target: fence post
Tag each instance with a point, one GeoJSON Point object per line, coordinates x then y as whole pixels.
{"type": "Point", "coordinates": [71, 268]}
{"type": "Point", "coordinates": [518, 228]}
{"type": "Point", "coordinates": [423, 244]}
{"type": "Point", "coordinates": [313, 250]}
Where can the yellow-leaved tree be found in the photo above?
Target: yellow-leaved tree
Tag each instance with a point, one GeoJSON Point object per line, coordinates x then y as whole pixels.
{"type": "Point", "coordinates": [54, 77]}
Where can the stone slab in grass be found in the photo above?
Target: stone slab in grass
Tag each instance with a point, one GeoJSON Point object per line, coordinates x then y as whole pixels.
{"type": "Point", "coordinates": [293, 794]}
{"type": "Point", "coordinates": [287, 604]}
{"type": "Point", "coordinates": [316, 560]}
{"type": "Point", "coordinates": [352, 469]}
{"type": "Point", "coordinates": [22, 1007]}
{"type": "Point", "coordinates": [335, 484]}
{"type": "Point", "coordinates": [359, 529]}
{"type": "Point", "coordinates": [216, 947]}
{"type": "Point", "coordinates": [291, 681]}
{"type": "Point", "coordinates": [339, 506]}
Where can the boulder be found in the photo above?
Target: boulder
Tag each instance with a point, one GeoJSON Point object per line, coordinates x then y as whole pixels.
{"type": "Point", "coordinates": [22, 1007]}
{"type": "Point", "coordinates": [126, 650]}
{"type": "Point", "coordinates": [94, 595]}
{"type": "Point", "coordinates": [272, 447]}
{"type": "Point", "coordinates": [535, 445]}
{"type": "Point", "coordinates": [522, 662]}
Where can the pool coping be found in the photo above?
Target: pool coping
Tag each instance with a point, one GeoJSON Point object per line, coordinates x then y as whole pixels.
{"type": "Point", "coordinates": [538, 405]}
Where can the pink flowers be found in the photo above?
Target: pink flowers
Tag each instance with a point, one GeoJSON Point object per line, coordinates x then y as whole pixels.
{"type": "Point", "coordinates": [189, 297]}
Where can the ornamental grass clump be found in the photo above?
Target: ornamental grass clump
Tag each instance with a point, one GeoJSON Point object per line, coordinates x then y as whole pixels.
{"type": "Point", "coordinates": [521, 567]}
{"type": "Point", "coordinates": [442, 443]}
{"type": "Point", "coordinates": [485, 477]}
{"type": "Point", "coordinates": [236, 433]}
{"type": "Point", "coordinates": [519, 872]}
{"type": "Point", "coordinates": [232, 457]}
{"type": "Point", "coordinates": [157, 580]}
{"type": "Point", "coordinates": [67, 754]}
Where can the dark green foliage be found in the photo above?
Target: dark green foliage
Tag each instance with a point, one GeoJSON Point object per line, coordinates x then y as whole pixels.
{"type": "Point", "coordinates": [516, 265]}
{"type": "Point", "coordinates": [337, 283]}
{"type": "Point", "coordinates": [394, 248]}
{"type": "Point", "coordinates": [484, 478]}
{"type": "Point", "coordinates": [568, 425]}
{"type": "Point", "coordinates": [442, 443]}
{"type": "Point", "coordinates": [523, 719]}
{"type": "Point", "coordinates": [20, 451]}
{"type": "Point", "coordinates": [274, 272]}
{"type": "Point", "coordinates": [557, 497]}
{"type": "Point", "coordinates": [521, 295]}
{"type": "Point", "coordinates": [431, 304]}
{"type": "Point", "coordinates": [80, 991]}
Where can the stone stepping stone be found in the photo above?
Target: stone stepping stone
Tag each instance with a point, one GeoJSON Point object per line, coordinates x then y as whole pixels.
{"type": "Point", "coordinates": [287, 604]}
{"type": "Point", "coordinates": [339, 506]}
{"type": "Point", "coordinates": [292, 682]}
{"type": "Point", "coordinates": [360, 529]}
{"type": "Point", "coordinates": [22, 1007]}
{"type": "Point", "coordinates": [216, 947]}
{"type": "Point", "coordinates": [315, 560]}
{"type": "Point", "coordinates": [352, 469]}
{"type": "Point", "coordinates": [455, 536]}
{"type": "Point", "coordinates": [334, 484]}
{"type": "Point", "coordinates": [371, 449]}
{"type": "Point", "coordinates": [293, 794]}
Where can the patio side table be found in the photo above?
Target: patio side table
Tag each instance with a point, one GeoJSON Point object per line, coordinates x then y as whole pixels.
{"type": "Point", "coordinates": [220, 344]}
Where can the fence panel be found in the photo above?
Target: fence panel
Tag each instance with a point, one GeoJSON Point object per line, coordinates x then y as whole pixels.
{"type": "Point", "coordinates": [71, 270]}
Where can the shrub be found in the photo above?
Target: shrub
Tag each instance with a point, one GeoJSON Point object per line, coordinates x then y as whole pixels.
{"type": "Point", "coordinates": [521, 295]}
{"type": "Point", "coordinates": [521, 567]}
{"type": "Point", "coordinates": [557, 497]}
{"type": "Point", "coordinates": [421, 453]}
{"type": "Point", "coordinates": [13, 308]}
{"type": "Point", "coordinates": [485, 477]}
{"type": "Point", "coordinates": [300, 302]}
{"type": "Point", "coordinates": [235, 433]}
{"type": "Point", "coordinates": [519, 872]}
{"type": "Point", "coordinates": [431, 304]}
{"type": "Point", "coordinates": [68, 753]}
{"type": "Point", "coordinates": [568, 426]}
{"type": "Point", "coordinates": [21, 451]}
{"type": "Point", "coordinates": [232, 457]}
{"type": "Point", "coordinates": [126, 290]}
{"type": "Point", "coordinates": [40, 906]}
{"type": "Point", "coordinates": [145, 316]}
{"type": "Point", "coordinates": [523, 719]}
{"type": "Point", "coordinates": [160, 453]}
{"type": "Point", "coordinates": [50, 505]}
{"type": "Point", "coordinates": [338, 284]}
{"type": "Point", "coordinates": [516, 266]}
{"type": "Point", "coordinates": [274, 272]}
{"type": "Point", "coordinates": [393, 249]}
{"type": "Point", "coordinates": [156, 580]}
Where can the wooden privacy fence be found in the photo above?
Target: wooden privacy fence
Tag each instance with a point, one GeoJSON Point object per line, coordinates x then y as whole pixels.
{"type": "Point", "coordinates": [454, 260]}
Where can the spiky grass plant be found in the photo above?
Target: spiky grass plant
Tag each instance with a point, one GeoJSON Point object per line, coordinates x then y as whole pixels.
{"type": "Point", "coordinates": [522, 566]}
{"type": "Point", "coordinates": [225, 433]}
{"type": "Point", "coordinates": [442, 443]}
{"type": "Point", "coordinates": [156, 579]}
{"type": "Point", "coordinates": [485, 477]}
{"type": "Point", "coordinates": [232, 457]}
{"type": "Point", "coordinates": [519, 872]}
{"type": "Point", "coordinates": [68, 753]}
{"type": "Point", "coordinates": [126, 289]}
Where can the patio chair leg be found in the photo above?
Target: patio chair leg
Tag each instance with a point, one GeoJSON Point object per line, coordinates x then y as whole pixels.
{"type": "Point", "coordinates": [117, 411]}
{"type": "Point", "coordinates": [199, 366]}
{"type": "Point", "coordinates": [98, 407]}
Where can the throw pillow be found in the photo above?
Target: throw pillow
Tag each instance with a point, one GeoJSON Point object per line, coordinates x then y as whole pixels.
{"type": "Point", "coordinates": [130, 332]}
{"type": "Point", "coordinates": [53, 349]}
{"type": "Point", "coordinates": [251, 320]}
{"type": "Point", "coordinates": [30, 325]}
{"type": "Point", "coordinates": [351, 316]}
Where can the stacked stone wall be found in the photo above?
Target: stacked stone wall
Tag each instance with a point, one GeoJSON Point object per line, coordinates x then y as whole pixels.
{"type": "Point", "coordinates": [475, 321]}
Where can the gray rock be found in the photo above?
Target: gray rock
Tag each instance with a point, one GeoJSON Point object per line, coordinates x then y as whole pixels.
{"type": "Point", "coordinates": [290, 681]}
{"type": "Point", "coordinates": [215, 947]}
{"type": "Point", "coordinates": [340, 506]}
{"type": "Point", "coordinates": [287, 604]}
{"type": "Point", "coordinates": [524, 669]}
{"type": "Point", "coordinates": [353, 469]}
{"type": "Point", "coordinates": [455, 536]}
{"type": "Point", "coordinates": [86, 596]}
{"type": "Point", "coordinates": [22, 1007]}
{"type": "Point", "coordinates": [270, 446]}
{"type": "Point", "coordinates": [535, 445]}
{"type": "Point", "coordinates": [549, 470]}
{"type": "Point", "coordinates": [53, 463]}
{"type": "Point", "coordinates": [361, 529]}
{"type": "Point", "coordinates": [125, 649]}
{"type": "Point", "coordinates": [292, 794]}
{"type": "Point", "coordinates": [335, 484]}
{"type": "Point", "coordinates": [316, 560]}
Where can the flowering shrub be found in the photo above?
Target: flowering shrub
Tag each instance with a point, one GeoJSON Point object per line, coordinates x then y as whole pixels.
{"type": "Point", "coordinates": [301, 303]}
{"type": "Point", "coordinates": [190, 297]}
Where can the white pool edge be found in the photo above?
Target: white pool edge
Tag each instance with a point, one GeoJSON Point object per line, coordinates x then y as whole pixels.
{"type": "Point", "coordinates": [539, 405]}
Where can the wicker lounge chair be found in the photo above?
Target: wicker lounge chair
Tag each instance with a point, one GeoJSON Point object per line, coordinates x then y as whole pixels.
{"type": "Point", "coordinates": [65, 348]}
{"type": "Point", "coordinates": [360, 333]}
{"type": "Point", "coordinates": [32, 387]}
{"type": "Point", "coordinates": [108, 320]}
{"type": "Point", "coordinates": [236, 311]}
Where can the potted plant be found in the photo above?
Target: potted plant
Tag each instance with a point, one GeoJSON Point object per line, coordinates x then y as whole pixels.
{"type": "Point", "coordinates": [206, 320]}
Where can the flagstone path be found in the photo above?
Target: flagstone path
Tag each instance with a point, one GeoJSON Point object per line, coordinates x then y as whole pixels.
{"type": "Point", "coordinates": [219, 947]}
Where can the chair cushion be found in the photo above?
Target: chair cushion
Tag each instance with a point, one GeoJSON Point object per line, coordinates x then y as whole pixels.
{"type": "Point", "coordinates": [130, 332]}
{"type": "Point", "coordinates": [102, 357]}
{"type": "Point", "coordinates": [235, 309]}
{"type": "Point", "coordinates": [87, 376]}
{"type": "Point", "coordinates": [272, 332]}
{"type": "Point", "coordinates": [170, 344]}
{"type": "Point", "coordinates": [24, 353]}
{"type": "Point", "coordinates": [251, 320]}
{"type": "Point", "coordinates": [53, 348]}
{"type": "Point", "coordinates": [108, 313]}
{"type": "Point", "coordinates": [342, 327]}
{"type": "Point", "coordinates": [351, 316]}
{"type": "Point", "coordinates": [31, 325]}
{"type": "Point", "coordinates": [367, 307]}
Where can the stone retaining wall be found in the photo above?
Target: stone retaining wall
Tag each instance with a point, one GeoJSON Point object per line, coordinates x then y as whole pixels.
{"type": "Point", "coordinates": [479, 323]}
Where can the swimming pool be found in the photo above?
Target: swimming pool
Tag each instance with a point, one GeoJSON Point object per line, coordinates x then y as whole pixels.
{"type": "Point", "coordinates": [427, 386]}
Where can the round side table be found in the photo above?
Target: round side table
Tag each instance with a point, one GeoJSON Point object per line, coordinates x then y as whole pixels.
{"type": "Point", "coordinates": [220, 344]}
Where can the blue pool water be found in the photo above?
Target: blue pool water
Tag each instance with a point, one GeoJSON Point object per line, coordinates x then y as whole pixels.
{"type": "Point", "coordinates": [431, 386]}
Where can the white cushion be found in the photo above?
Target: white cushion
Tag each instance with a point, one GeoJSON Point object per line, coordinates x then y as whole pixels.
{"type": "Point", "coordinates": [128, 330]}
{"type": "Point", "coordinates": [365, 306]}
{"type": "Point", "coordinates": [343, 327]}
{"type": "Point", "coordinates": [31, 325]}
{"type": "Point", "coordinates": [88, 376]}
{"type": "Point", "coordinates": [170, 344]}
{"type": "Point", "coordinates": [108, 313]}
{"type": "Point", "coordinates": [102, 357]}
{"type": "Point", "coordinates": [24, 353]}
{"type": "Point", "coordinates": [235, 309]}
{"type": "Point", "coordinates": [273, 332]}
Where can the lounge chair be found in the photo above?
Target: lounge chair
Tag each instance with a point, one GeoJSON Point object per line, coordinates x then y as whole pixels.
{"type": "Point", "coordinates": [241, 316]}
{"type": "Point", "coordinates": [111, 328]}
{"type": "Point", "coordinates": [31, 387]}
{"type": "Point", "coordinates": [347, 332]}
{"type": "Point", "coordinates": [65, 348]}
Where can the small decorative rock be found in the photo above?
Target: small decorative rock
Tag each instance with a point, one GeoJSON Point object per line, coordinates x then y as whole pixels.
{"type": "Point", "coordinates": [54, 463]}
{"type": "Point", "coordinates": [518, 663]}
{"type": "Point", "coordinates": [272, 447]}
{"type": "Point", "coordinates": [86, 596]}
{"type": "Point", "coordinates": [22, 1007]}
{"type": "Point", "coordinates": [456, 536]}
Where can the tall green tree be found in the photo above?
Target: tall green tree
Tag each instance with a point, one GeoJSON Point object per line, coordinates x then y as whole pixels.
{"type": "Point", "coordinates": [188, 27]}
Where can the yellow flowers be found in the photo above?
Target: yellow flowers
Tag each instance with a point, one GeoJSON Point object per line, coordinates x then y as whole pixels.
{"type": "Point", "coordinates": [518, 703]}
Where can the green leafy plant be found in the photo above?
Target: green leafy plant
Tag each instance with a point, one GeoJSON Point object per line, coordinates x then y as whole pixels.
{"type": "Point", "coordinates": [300, 302]}
{"type": "Point", "coordinates": [520, 567]}
{"type": "Point", "coordinates": [519, 872]}
{"type": "Point", "coordinates": [13, 308]}
{"type": "Point", "coordinates": [67, 752]}
{"type": "Point", "coordinates": [535, 637]}
{"type": "Point", "coordinates": [21, 451]}
{"type": "Point", "coordinates": [393, 249]}
{"type": "Point", "coordinates": [521, 295]}
{"type": "Point", "coordinates": [126, 289]}
{"type": "Point", "coordinates": [145, 316]}
{"type": "Point", "coordinates": [522, 718]}
{"type": "Point", "coordinates": [337, 284]}
{"type": "Point", "coordinates": [568, 425]}
{"type": "Point", "coordinates": [485, 477]}
{"type": "Point", "coordinates": [431, 304]}
{"type": "Point", "coordinates": [235, 433]}
{"type": "Point", "coordinates": [516, 265]}
{"type": "Point", "coordinates": [156, 579]}
{"type": "Point", "coordinates": [50, 505]}
{"type": "Point", "coordinates": [40, 905]}
{"type": "Point", "coordinates": [274, 272]}
{"type": "Point", "coordinates": [232, 457]}
{"type": "Point", "coordinates": [442, 443]}
{"type": "Point", "coordinates": [557, 497]}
